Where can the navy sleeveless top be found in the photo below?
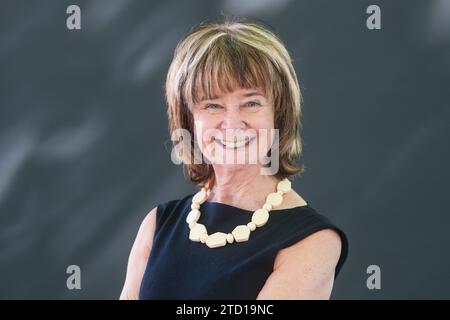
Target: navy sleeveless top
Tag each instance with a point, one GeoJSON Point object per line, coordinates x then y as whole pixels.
{"type": "Point", "coordinates": [179, 268]}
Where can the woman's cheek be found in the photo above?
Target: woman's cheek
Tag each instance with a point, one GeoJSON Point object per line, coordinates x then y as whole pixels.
{"type": "Point", "coordinates": [205, 140]}
{"type": "Point", "coordinates": [266, 139]}
{"type": "Point", "coordinates": [208, 145]}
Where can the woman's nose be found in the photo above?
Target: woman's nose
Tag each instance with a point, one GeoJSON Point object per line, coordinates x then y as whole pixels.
{"type": "Point", "coordinates": [233, 119]}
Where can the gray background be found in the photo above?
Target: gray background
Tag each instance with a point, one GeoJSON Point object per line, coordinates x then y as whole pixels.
{"type": "Point", "coordinates": [83, 132]}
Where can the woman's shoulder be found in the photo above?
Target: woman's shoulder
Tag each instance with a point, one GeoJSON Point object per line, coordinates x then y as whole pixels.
{"type": "Point", "coordinates": [306, 223]}
{"type": "Point", "coordinates": [175, 204]}
{"type": "Point", "coordinates": [170, 207]}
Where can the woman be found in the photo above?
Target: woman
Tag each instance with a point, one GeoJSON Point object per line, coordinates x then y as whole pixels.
{"type": "Point", "coordinates": [232, 88]}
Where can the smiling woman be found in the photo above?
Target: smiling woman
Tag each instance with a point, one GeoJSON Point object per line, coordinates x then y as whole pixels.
{"type": "Point", "coordinates": [246, 234]}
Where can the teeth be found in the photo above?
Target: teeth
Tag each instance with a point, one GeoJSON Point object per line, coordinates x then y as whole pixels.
{"type": "Point", "coordinates": [237, 144]}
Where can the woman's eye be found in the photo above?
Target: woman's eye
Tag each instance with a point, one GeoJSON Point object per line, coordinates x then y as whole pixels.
{"type": "Point", "coordinates": [212, 106]}
{"type": "Point", "coordinates": [252, 104]}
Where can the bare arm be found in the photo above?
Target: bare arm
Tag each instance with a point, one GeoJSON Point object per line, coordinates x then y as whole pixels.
{"type": "Point", "coordinates": [305, 270]}
{"type": "Point", "coordinates": [139, 255]}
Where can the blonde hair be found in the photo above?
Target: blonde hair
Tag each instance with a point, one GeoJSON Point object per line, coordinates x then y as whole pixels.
{"type": "Point", "coordinates": [234, 54]}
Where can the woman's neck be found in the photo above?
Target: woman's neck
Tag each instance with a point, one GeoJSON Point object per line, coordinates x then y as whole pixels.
{"type": "Point", "coordinates": [244, 188]}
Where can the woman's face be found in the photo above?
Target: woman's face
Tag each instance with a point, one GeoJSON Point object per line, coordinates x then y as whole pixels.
{"type": "Point", "coordinates": [235, 129]}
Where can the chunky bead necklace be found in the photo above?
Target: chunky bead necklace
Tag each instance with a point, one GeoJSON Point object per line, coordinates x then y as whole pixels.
{"type": "Point", "coordinates": [241, 233]}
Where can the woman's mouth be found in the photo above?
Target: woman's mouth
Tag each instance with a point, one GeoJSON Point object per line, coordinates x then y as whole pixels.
{"type": "Point", "coordinates": [235, 144]}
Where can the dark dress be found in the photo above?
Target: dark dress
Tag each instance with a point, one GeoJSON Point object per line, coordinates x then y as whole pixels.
{"type": "Point", "coordinates": [179, 268]}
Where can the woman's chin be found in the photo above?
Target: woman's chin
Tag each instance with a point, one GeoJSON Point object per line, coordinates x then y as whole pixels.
{"type": "Point", "coordinates": [234, 167]}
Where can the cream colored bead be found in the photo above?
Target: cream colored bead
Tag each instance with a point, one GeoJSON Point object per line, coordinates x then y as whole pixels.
{"type": "Point", "coordinates": [199, 197]}
{"type": "Point", "coordinates": [241, 233]}
{"type": "Point", "coordinates": [251, 226]}
{"type": "Point", "coordinates": [195, 206]}
{"type": "Point", "coordinates": [267, 206]}
{"type": "Point", "coordinates": [280, 192]}
{"type": "Point", "coordinates": [194, 215]}
{"type": "Point", "coordinates": [260, 217]}
{"type": "Point", "coordinates": [274, 199]}
{"type": "Point", "coordinates": [192, 224]}
{"type": "Point", "coordinates": [196, 232]}
{"type": "Point", "coordinates": [203, 237]}
{"type": "Point", "coordinates": [230, 238]}
{"type": "Point", "coordinates": [218, 239]}
{"type": "Point", "coordinates": [284, 186]}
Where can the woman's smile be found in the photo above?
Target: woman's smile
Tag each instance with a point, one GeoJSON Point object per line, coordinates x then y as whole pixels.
{"type": "Point", "coordinates": [237, 144]}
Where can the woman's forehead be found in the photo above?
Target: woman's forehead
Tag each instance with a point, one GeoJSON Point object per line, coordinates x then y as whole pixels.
{"type": "Point", "coordinates": [237, 92]}
{"type": "Point", "coordinates": [240, 92]}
